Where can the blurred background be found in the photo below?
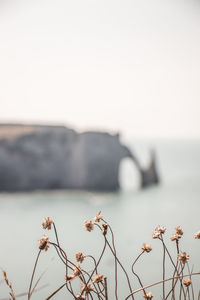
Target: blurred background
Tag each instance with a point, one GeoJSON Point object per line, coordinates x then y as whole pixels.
{"type": "Point", "coordinates": [127, 72]}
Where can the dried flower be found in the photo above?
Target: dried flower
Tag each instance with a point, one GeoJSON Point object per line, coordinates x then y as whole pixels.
{"type": "Point", "coordinates": [156, 235]}
{"type": "Point", "coordinates": [148, 296]}
{"type": "Point", "coordinates": [183, 257]}
{"type": "Point", "coordinates": [187, 282]}
{"type": "Point", "coordinates": [44, 243]}
{"type": "Point", "coordinates": [89, 225]}
{"type": "Point", "coordinates": [146, 247]}
{"type": "Point", "coordinates": [77, 270]}
{"type": "Point", "coordinates": [98, 217]}
{"type": "Point", "coordinates": [174, 237]}
{"type": "Point", "coordinates": [97, 278]}
{"type": "Point", "coordinates": [87, 288]}
{"type": "Point", "coordinates": [104, 228]}
{"type": "Point", "coordinates": [80, 257]}
{"type": "Point", "coordinates": [6, 279]}
{"type": "Point", "coordinates": [179, 231]}
{"type": "Point", "coordinates": [9, 285]}
{"type": "Point", "coordinates": [69, 277]}
{"type": "Point", "coordinates": [178, 234]}
{"type": "Point", "coordinates": [197, 235]}
{"type": "Point", "coordinates": [46, 224]}
{"type": "Point", "coordinates": [158, 231]}
{"type": "Point", "coordinates": [80, 297]}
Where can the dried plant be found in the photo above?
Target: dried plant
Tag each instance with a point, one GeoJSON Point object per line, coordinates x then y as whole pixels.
{"type": "Point", "coordinates": [93, 284]}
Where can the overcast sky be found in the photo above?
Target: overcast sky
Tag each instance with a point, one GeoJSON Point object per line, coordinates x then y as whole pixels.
{"type": "Point", "coordinates": [128, 65]}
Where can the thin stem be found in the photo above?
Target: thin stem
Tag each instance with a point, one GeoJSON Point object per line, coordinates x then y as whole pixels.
{"type": "Point", "coordinates": [174, 283]}
{"type": "Point", "coordinates": [113, 243]}
{"type": "Point", "coordinates": [33, 289]}
{"type": "Point", "coordinates": [170, 257]}
{"type": "Point", "coordinates": [159, 282]}
{"type": "Point", "coordinates": [127, 277]}
{"type": "Point", "coordinates": [96, 271]}
{"type": "Point", "coordinates": [29, 291]}
{"type": "Point", "coordinates": [56, 291]}
{"type": "Point", "coordinates": [192, 288]}
{"type": "Point", "coordinates": [25, 294]}
{"type": "Point", "coordinates": [104, 247]}
{"type": "Point", "coordinates": [106, 290]}
{"type": "Point", "coordinates": [164, 255]}
{"type": "Point", "coordinates": [56, 234]}
{"type": "Point", "coordinates": [140, 282]}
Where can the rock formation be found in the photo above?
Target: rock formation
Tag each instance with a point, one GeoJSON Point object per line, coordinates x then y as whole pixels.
{"type": "Point", "coordinates": [55, 157]}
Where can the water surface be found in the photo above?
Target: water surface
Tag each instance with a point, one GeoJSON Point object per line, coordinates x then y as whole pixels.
{"type": "Point", "coordinates": [132, 213]}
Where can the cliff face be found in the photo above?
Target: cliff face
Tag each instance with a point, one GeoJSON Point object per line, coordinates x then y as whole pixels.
{"type": "Point", "coordinates": [48, 157]}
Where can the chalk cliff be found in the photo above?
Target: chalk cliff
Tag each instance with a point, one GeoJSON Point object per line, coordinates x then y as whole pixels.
{"type": "Point", "coordinates": [55, 157]}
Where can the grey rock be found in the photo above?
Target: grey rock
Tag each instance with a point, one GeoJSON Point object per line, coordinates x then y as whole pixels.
{"type": "Point", "coordinates": [55, 157]}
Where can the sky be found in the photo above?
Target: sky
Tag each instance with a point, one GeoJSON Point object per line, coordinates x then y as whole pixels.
{"type": "Point", "coordinates": [130, 66]}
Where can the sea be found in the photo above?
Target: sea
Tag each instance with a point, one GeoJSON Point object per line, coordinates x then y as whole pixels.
{"type": "Point", "coordinates": [131, 212]}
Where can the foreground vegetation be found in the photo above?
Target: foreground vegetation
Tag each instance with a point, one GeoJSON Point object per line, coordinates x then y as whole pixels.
{"type": "Point", "coordinates": [94, 285]}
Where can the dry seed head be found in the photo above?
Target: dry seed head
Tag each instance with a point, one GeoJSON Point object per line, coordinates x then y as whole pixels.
{"type": "Point", "coordinates": [89, 225]}
{"type": "Point", "coordinates": [174, 237]}
{"type": "Point", "coordinates": [69, 277]}
{"type": "Point", "coordinates": [187, 282]}
{"type": "Point", "coordinates": [98, 217]}
{"type": "Point", "coordinates": [46, 224]}
{"type": "Point", "coordinates": [148, 296]}
{"type": "Point", "coordinates": [5, 277]}
{"type": "Point", "coordinates": [80, 297]}
{"type": "Point", "coordinates": [97, 278]}
{"type": "Point", "coordinates": [197, 235]}
{"type": "Point", "coordinates": [77, 271]}
{"type": "Point", "coordinates": [104, 228]}
{"type": "Point", "coordinates": [87, 288]}
{"type": "Point", "coordinates": [44, 243]}
{"type": "Point", "coordinates": [155, 235]}
{"type": "Point", "coordinates": [183, 257]}
{"type": "Point", "coordinates": [146, 248]}
{"type": "Point", "coordinates": [80, 257]}
{"type": "Point", "coordinates": [179, 231]}
{"type": "Point", "coordinates": [9, 285]}
{"type": "Point", "coordinates": [158, 231]}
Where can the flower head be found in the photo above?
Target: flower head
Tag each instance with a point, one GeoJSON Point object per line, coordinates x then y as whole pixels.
{"type": "Point", "coordinates": [44, 243]}
{"type": "Point", "coordinates": [77, 271]}
{"type": "Point", "coordinates": [80, 297]}
{"type": "Point", "coordinates": [183, 257]}
{"type": "Point", "coordinates": [174, 237]}
{"type": "Point", "coordinates": [69, 277]}
{"type": "Point", "coordinates": [87, 288]}
{"type": "Point", "coordinates": [146, 247]}
{"type": "Point", "coordinates": [158, 231]}
{"type": "Point", "coordinates": [197, 235]}
{"type": "Point", "coordinates": [156, 235]}
{"type": "Point", "coordinates": [148, 296]}
{"type": "Point", "coordinates": [80, 257]}
{"type": "Point", "coordinates": [98, 217]}
{"type": "Point", "coordinates": [46, 224]}
{"type": "Point", "coordinates": [104, 228]}
{"type": "Point", "coordinates": [6, 280]}
{"type": "Point", "coordinates": [97, 278]}
{"type": "Point", "coordinates": [179, 231]}
{"type": "Point", "coordinates": [89, 225]}
{"type": "Point", "coordinates": [187, 282]}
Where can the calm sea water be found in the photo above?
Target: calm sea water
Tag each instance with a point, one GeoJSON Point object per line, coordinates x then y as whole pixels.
{"type": "Point", "coordinates": [132, 213]}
